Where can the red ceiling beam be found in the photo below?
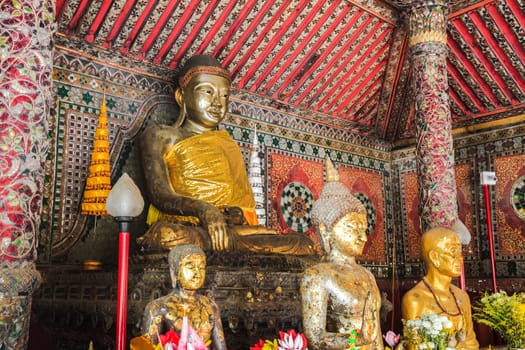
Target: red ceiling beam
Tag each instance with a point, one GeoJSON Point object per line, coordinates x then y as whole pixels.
{"type": "Point", "coordinates": [293, 40]}
{"type": "Point", "coordinates": [500, 111]}
{"type": "Point", "coordinates": [215, 29]}
{"type": "Point", "coordinates": [472, 71]}
{"type": "Point", "coordinates": [157, 29]}
{"type": "Point", "coordinates": [457, 101]}
{"type": "Point", "coordinates": [474, 46]}
{"type": "Point", "coordinates": [175, 32]}
{"type": "Point", "coordinates": [337, 41]}
{"type": "Point", "coordinates": [406, 107]}
{"type": "Point", "coordinates": [347, 105]}
{"type": "Point", "coordinates": [138, 26]}
{"type": "Point", "coordinates": [119, 23]}
{"type": "Point", "coordinates": [190, 39]}
{"type": "Point", "coordinates": [59, 8]}
{"type": "Point", "coordinates": [507, 31]}
{"type": "Point", "coordinates": [248, 32]}
{"type": "Point", "coordinates": [368, 108]}
{"type": "Point", "coordinates": [260, 38]}
{"type": "Point", "coordinates": [399, 69]}
{"type": "Point", "coordinates": [360, 61]}
{"type": "Point", "coordinates": [491, 41]}
{"type": "Point", "coordinates": [304, 42]}
{"type": "Point", "coordinates": [341, 66]}
{"type": "Point", "coordinates": [77, 17]}
{"type": "Point", "coordinates": [228, 36]}
{"type": "Point", "coordinates": [273, 42]}
{"type": "Point", "coordinates": [517, 11]}
{"type": "Point", "coordinates": [97, 22]}
{"type": "Point", "coordinates": [456, 75]}
{"type": "Point", "coordinates": [358, 89]}
{"type": "Point", "coordinates": [469, 8]}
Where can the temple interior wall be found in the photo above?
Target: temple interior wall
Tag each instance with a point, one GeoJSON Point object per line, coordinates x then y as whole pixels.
{"type": "Point", "coordinates": [293, 149]}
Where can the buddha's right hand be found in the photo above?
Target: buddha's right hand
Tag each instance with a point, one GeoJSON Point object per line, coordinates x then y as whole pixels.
{"type": "Point", "coordinates": [213, 220]}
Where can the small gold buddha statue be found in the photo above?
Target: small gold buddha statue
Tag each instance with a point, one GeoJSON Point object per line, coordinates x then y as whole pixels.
{"type": "Point", "coordinates": [435, 293]}
{"type": "Point", "coordinates": [187, 265]}
{"type": "Point", "coordinates": [195, 175]}
{"type": "Point", "coordinates": [340, 298]}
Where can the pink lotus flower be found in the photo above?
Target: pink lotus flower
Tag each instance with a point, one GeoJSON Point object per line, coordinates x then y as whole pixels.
{"type": "Point", "coordinates": [391, 338]}
{"type": "Point", "coordinates": [292, 341]}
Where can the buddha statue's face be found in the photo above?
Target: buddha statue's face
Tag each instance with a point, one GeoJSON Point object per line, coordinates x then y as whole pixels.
{"type": "Point", "coordinates": [206, 99]}
{"type": "Point", "coordinates": [192, 271]}
{"type": "Point", "coordinates": [349, 234]}
{"type": "Point", "coordinates": [448, 255]}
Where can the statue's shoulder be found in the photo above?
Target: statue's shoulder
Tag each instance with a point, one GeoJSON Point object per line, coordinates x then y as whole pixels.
{"type": "Point", "coordinates": [161, 132]}
{"type": "Point", "coordinates": [160, 303]}
{"type": "Point", "coordinates": [317, 271]}
{"type": "Point", "coordinates": [161, 129]}
{"type": "Point", "coordinates": [417, 294]}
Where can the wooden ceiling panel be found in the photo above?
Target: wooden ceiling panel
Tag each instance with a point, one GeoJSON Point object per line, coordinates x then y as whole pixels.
{"type": "Point", "coordinates": [343, 60]}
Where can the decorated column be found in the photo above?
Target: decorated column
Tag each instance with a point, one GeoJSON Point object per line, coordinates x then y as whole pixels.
{"type": "Point", "coordinates": [435, 152]}
{"type": "Point", "coordinates": [26, 52]}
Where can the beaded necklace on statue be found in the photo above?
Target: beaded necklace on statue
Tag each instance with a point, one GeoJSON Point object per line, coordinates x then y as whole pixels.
{"type": "Point", "coordinates": [439, 303]}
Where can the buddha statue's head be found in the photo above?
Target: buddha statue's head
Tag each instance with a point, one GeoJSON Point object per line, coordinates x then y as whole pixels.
{"type": "Point", "coordinates": [187, 264]}
{"type": "Point", "coordinates": [203, 92]}
{"type": "Point", "coordinates": [441, 250]}
{"type": "Point", "coordinates": [339, 216]}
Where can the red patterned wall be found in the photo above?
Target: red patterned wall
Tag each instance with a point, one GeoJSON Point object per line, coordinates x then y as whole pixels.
{"type": "Point", "coordinates": [284, 169]}
{"type": "Point", "coordinates": [509, 227]}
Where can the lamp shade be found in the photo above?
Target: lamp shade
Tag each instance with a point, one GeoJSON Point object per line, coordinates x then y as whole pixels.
{"type": "Point", "coordinates": [125, 199]}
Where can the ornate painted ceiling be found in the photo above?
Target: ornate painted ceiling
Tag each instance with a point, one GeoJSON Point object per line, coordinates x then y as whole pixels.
{"type": "Point", "coordinates": [345, 61]}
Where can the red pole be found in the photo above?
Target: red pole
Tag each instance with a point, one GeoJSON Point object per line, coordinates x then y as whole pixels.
{"type": "Point", "coordinates": [491, 238]}
{"type": "Point", "coordinates": [122, 293]}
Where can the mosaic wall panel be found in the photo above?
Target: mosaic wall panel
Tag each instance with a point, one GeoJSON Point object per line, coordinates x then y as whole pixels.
{"type": "Point", "coordinates": [79, 88]}
{"type": "Point", "coordinates": [509, 225]}
{"type": "Point", "coordinates": [499, 150]}
{"type": "Point", "coordinates": [133, 100]}
{"type": "Point", "coordinates": [308, 175]}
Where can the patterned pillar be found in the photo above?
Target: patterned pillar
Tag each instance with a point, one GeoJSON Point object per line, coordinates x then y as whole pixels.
{"type": "Point", "coordinates": [435, 153]}
{"type": "Point", "coordinates": [26, 52]}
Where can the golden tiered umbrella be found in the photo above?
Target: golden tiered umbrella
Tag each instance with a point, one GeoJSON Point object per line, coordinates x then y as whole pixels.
{"type": "Point", "coordinates": [98, 183]}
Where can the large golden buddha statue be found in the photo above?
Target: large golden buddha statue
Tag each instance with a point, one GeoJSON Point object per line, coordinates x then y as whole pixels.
{"type": "Point", "coordinates": [340, 298]}
{"type": "Point", "coordinates": [196, 178]}
{"type": "Point", "coordinates": [187, 265]}
{"type": "Point", "coordinates": [435, 293]}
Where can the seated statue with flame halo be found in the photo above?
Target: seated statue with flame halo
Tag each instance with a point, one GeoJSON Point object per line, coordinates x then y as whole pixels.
{"type": "Point", "coordinates": [196, 178]}
{"type": "Point", "coordinates": [340, 298]}
{"type": "Point", "coordinates": [435, 293]}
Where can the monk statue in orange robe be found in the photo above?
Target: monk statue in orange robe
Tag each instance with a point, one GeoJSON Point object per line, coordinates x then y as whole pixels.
{"type": "Point", "coordinates": [435, 293]}
{"type": "Point", "coordinates": [196, 178]}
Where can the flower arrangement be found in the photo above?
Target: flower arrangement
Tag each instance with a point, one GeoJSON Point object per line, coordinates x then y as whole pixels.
{"type": "Point", "coordinates": [505, 314]}
{"type": "Point", "coordinates": [431, 331]}
{"type": "Point", "coordinates": [171, 340]}
{"type": "Point", "coordinates": [289, 340]}
{"type": "Point", "coordinates": [391, 339]}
